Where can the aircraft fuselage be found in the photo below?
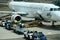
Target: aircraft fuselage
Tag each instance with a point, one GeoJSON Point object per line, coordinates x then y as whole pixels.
{"type": "Point", "coordinates": [46, 10]}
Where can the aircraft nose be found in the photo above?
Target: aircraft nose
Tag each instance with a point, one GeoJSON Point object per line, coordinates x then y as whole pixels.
{"type": "Point", "coordinates": [58, 16]}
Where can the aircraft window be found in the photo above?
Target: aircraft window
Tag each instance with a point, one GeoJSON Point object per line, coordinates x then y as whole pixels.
{"type": "Point", "coordinates": [54, 9]}
{"type": "Point", "coordinates": [51, 9]}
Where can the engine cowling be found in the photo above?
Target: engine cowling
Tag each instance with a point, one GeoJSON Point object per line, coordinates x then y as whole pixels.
{"type": "Point", "coordinates": [15, 17]}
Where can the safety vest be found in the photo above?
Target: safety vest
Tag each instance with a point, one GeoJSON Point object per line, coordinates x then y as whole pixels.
{"type": "Point", "coordinates": [15, 21]}
{"type": "Point", "coordinates": [20, 23]}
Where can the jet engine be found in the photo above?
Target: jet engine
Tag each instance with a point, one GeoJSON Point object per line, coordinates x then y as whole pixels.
{"type": "Point", "coordinates": [15, 17]}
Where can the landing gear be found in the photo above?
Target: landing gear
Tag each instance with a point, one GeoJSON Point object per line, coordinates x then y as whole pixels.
{"type": "Point", "coordinates": [53, 24]}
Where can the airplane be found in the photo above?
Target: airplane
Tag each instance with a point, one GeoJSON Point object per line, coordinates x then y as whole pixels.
{"type": "Point", "coordinates": [42, 11]}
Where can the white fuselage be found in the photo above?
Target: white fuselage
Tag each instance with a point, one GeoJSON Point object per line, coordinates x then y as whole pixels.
{"type": "Point", "coordinates": [36, 9]}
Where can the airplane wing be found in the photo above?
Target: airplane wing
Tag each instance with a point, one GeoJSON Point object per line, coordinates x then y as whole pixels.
{"type": "Point", "coordinates": [4, 4]}
{"type": "Point", "coordinates": [4, 14]}
{"type": "Point", "coordinates": [11, 12]}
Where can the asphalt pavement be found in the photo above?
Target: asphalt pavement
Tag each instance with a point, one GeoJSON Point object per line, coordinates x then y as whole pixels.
{"type": "Point", "coordinates": [51, 34]}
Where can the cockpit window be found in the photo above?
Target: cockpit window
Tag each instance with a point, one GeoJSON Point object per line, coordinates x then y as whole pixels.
{"type": "Point", "coordinates": [54, 9]}
{"type": "Point", "coordinates": [18, 0]}
{"type": "Point", "coordinates": [51, 9]}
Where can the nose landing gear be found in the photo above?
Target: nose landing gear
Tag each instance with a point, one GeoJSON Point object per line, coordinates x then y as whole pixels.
{"type": "Point", "coordinates": [53, 24]}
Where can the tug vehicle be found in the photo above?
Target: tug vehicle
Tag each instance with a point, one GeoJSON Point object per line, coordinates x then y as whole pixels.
{"type": "Point", "coordinates": [3, 23]}
{"type": "Point", "coordinates": [39, 36]}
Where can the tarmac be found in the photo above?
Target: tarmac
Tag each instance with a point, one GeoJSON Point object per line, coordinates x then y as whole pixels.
{"type": "Point", "coordinates": [51, 33]}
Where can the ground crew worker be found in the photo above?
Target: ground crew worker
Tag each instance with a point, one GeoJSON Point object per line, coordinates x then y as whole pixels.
{"type": "Point", "coordinates": [15, 21]}
{"type": "Point", "coordinates": [20, 24]}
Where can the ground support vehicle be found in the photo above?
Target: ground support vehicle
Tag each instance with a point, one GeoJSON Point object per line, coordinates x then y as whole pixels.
{"type": "Point", "coordinates": [18, 28]}
{"type": "Point", "coordinates": [39, 36]}
{"type": "Point", "coordinates": [34, 35]}
{"type": "Point", "coordinates": [33, 23]}
{"type": "Point", "coordinates": [8, 24]}
{"type": "Point", "coordinates": [28, 35]}
{"type": "Point", "coordinates": [2, 23]}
